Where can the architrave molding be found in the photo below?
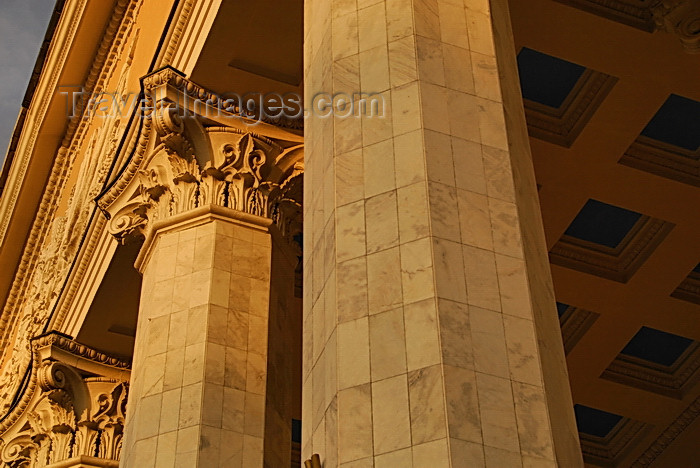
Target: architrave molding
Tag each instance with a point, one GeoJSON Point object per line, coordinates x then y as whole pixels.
{"type": "Point", "coordinates": [91, 264]}
{"type": "Point", "coordinates": [200, 18]}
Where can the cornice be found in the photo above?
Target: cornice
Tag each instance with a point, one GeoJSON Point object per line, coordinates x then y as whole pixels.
{"type": "Point", "coordinates": [72, 140]}
{"type": "Point", "coordinates": [39, 65]}
{"type": "Point", "coordinates": [38, 108]}
{"type": "Point", "coordinates": [200, 18]}
{"type": "Point", "coordinates": [174, 37]}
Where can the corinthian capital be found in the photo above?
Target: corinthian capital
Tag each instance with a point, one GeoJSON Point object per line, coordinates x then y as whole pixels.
{"type": "Point", "coordinates": [192, 153]}
{"type": "Point", "coordinates": [72, 407]}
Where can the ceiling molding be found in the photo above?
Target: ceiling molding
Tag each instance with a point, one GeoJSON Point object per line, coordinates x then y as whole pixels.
{"type": "Point", "coordinates": [575, 322]}
{"type": "Point", "coordinates": [689, 289]}
{"type": "Point", "coordinates": [635, 13]}
{"type": "Point", "coordinates": [668, 435]}
{"type": "Point", "coordinates": [663, 159]}
{"type": "Point", "coordinates": [619, 263]}
{"type": "Point", "coordinates": [609, 450]}
{"type": "Point", "coordinates": [673, 381]}
{"type": "Point", "coordinates": [679, 17]}
{"type": "Point", "coordinates": [563, 125]}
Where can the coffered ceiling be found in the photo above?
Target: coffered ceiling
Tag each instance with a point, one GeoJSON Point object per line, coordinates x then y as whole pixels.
{"type": "Point", "coordinates": [613, 113]}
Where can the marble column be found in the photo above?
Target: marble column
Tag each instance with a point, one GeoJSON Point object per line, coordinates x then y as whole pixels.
{"type": "Point", "coordinates": [218, 337]}
{"type": "Point", "coordinates": [197, 396]}
{"type": "Point", "coordinates": [430, 331]}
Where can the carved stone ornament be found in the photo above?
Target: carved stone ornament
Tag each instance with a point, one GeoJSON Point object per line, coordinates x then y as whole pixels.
{"type": "Point", "coordinates": [55, 240]}
{"type": "Point", "coordinates": [192, 154]}
{"type": "Point", "coordinates": [680, 17]}
{"type": "Point", "coordinates": [70, 413]}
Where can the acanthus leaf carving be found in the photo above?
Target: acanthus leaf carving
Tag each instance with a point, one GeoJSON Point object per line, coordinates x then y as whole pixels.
{"type": "Point", "coordinates": [20, 452]}
{"type": "Point", "coordinates": [170, 128]}
{"type": "Point", "coordinates": [227, 166]}
{"type": "Point", "coordinates": [287, 211]}
{"type": "Point", "coordinates": [67, 411]}
{"type": "Point", "coordinates": [110, 418]}
{"type": "Point", "coordinates": [52, 423]}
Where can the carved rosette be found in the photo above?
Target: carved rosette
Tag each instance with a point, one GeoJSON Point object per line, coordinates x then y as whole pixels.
{"type": "Point", "coordinates": [189, 159]}
{"type": "Point", "coordinates": [67, 412]}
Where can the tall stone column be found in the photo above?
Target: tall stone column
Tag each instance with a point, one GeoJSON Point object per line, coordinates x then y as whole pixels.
{"type": "Point", "coordinates": [218, 207]}
{"type": "Point", "coordinates": [430, 331]}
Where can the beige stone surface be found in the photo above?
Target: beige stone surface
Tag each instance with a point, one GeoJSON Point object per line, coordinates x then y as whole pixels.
{"type": "Point", "coordinates": [423, 227]}
{"type": "Point", "coordinates": [415, 256]}
{"type": "Point", "coordinates": [200, 362]}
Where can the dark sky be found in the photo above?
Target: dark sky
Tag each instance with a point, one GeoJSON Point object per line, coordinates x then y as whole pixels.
{"type": "Point", "coordinates": [22, 27]}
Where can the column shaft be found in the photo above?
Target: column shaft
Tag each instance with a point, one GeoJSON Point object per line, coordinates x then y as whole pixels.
{"type": "Point", "coordinates": [197, 397]}
{"type": "Point", "coordinates": [430, 335]}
